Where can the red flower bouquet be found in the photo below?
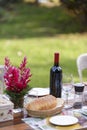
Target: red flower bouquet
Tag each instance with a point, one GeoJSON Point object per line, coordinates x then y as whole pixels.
{"type": "Point", "coordinates": [16, 80]}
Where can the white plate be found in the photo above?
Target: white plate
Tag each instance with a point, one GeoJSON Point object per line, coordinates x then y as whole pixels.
{"type": "Point", "coordinates": [63, 120]}
{"type": "Point", "coordinates": [39, 91]}
{"type": "Point", "coordinates": [84, 110]}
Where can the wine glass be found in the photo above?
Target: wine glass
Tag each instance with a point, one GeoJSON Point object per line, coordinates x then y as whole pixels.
{"type": "Point", "coordinates": [67, 87]}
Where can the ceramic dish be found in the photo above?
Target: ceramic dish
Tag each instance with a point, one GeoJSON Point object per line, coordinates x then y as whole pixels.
{"type": "Point", "coordinates": [84, 111]}
{"type": "Point", "coordinates": [38, 91]}
{"type": "Point", "coordinates": [63, 120]}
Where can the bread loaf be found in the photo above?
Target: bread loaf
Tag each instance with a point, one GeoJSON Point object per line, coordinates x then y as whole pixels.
{"type": "Point", "coordinates": [42, 103]}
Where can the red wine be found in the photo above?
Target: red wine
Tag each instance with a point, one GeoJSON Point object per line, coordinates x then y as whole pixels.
{"type": "Point", "coordinates": [56, 77]}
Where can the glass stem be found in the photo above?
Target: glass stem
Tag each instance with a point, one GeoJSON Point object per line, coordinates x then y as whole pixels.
{"type": "Point", "coordinates": [67, 97]}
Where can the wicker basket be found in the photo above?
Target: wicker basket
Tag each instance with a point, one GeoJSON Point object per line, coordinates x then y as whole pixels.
{"type": "Point", "coordinates": [50, 112]}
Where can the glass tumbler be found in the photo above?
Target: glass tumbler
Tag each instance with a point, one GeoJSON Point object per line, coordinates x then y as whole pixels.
{"type": "Point", "coordinates": [78, 96]}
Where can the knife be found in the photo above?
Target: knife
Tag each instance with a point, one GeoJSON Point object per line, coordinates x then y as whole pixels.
{"type": "Point", "coordinates": [84, 128]}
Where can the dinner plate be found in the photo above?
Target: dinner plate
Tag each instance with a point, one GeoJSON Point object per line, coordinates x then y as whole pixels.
{"type": "Point", "coordinates": [84, 110]}
{"type": "Point", "coordinates": [38, 91]}
{"type": "Point", "coordinates": [50, 112]}
{"type": "Point", "coordinates": [63, 120]}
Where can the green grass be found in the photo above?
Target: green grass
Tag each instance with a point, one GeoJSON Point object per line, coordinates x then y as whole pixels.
{"type": "Point", "coordinates": [37, 32]}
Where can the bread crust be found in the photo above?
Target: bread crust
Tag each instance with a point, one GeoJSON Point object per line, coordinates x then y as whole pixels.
{"type": "Point", "coordinates": [42, 103]}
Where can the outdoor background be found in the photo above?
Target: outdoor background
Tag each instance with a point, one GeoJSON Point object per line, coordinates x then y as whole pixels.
{"type": "Point", "coordinates": [37, 32]}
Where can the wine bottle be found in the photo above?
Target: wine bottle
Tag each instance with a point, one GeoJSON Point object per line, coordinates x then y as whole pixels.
{"type": "Point", "coordinates": [56, 77]}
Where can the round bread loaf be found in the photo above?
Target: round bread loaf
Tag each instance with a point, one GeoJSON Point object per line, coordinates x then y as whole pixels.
{"type": "Point", "coordinates": [42, 103]}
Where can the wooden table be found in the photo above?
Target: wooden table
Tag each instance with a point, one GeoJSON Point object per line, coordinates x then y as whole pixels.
{"type": "Point", "coordinates": [18, 124]}
{"type": "Point", "coordinates": [15, 124]}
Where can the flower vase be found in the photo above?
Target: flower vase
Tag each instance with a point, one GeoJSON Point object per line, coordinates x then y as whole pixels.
{"type": "Point", "coordinates": [18, 102]}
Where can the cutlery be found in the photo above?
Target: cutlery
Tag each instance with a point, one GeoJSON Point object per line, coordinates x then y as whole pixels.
{"type": "Point", "coordinates": [84, 128]}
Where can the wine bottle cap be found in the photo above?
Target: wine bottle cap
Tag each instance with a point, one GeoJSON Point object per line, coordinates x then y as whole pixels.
{"type": "Point", "coordinates": [56, 57]}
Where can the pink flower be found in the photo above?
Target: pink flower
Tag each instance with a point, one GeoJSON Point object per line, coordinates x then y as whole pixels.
{"type": "Point", "coordinates": [16, 79]}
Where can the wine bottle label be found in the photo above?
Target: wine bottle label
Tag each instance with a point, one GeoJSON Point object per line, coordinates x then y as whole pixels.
{"type": "Point", "coordinates": [55, 84]}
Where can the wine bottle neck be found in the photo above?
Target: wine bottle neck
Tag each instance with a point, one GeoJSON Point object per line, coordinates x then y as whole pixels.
{"type": "Point", "coordinates": [56, 59]}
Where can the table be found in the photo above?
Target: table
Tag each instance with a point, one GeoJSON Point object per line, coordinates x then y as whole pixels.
{"type": "Point", "coordinates": [16, 124]}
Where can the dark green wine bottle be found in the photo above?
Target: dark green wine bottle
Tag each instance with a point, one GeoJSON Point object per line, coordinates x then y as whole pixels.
{"type": "Point", "coordinates": [56, 77]}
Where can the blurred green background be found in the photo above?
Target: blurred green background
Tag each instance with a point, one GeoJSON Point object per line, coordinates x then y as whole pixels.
{"type": "Point", "coordinates": [37, 32]}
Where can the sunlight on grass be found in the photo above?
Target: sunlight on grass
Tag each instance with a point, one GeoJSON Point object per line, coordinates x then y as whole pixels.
{"type": "Point", "coordinates": [40, 53]}
{"type": "Point", "coordinates": [37, 32]}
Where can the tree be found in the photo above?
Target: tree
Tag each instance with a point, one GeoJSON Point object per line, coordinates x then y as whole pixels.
{"type": "Point", "coordinates": [78, 7]}
{"type": "Point", "coordinates": [36, 1]}
{"type": "Point", "coordinates": [6, 2]}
